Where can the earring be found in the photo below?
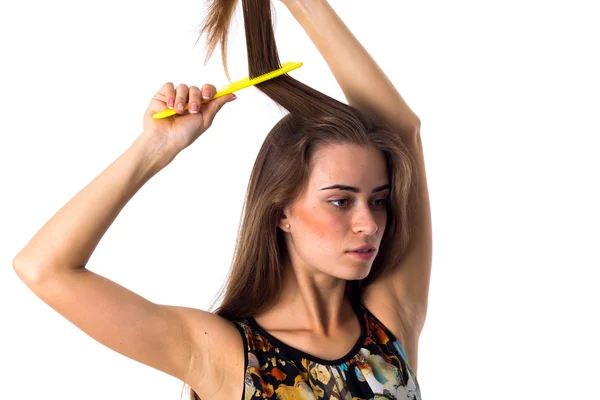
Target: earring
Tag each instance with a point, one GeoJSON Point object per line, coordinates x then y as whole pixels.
{"type": "Point", "coordinates": [287, 226]}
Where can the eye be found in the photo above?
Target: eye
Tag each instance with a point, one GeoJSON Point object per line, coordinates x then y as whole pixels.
{"type": "Point", "coordinates": [377, 202]}
{"type": "Point", "coordinates": [381, 202]}
{"type": "Point", "coordinates": [338, 206]}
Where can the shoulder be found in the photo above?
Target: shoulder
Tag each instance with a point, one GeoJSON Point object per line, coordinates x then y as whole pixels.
{"type": "Point", "coordinates": [218, 356]}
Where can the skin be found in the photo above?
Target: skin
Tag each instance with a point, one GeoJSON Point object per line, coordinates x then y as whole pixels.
{"type": "Point", "coordinates": [318, 236]}
{"type": "Point", "coordinates": [170, 136]}
{"type": "Point", "coordinates": [315, 295]}
{"type": "Point", "coordinates": [323, 230]}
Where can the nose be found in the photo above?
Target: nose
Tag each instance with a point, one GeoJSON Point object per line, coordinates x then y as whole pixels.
{"type": "Point", "coordinates": [364, 222]}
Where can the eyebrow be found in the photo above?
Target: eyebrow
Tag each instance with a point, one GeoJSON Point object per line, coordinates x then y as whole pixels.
{"type": "Point", "coordinates": [354, 189]}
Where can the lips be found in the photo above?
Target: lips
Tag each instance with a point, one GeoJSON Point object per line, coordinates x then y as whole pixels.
{"type": "Point", "coordinates": [364, 249]}
{"type": "Point", "coordinates": [365, 254]}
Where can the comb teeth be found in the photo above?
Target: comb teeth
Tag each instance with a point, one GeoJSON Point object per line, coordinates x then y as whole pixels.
{"type": "Point", "coordinates": [288, 66]}
{"type": "Point", "coordinates": [233, 83]}
{"type": "Point", "coordinates": [285, 68]}
{"type": "Point", "coordinates": [247, 82]}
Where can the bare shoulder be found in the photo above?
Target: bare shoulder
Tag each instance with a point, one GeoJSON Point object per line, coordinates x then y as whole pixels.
{"type": "Point", "coordinates": [381, 302]}
{"type": "Point", "coordinates": [217, 366]}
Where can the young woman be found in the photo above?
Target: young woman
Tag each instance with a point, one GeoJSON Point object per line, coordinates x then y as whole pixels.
{"type": "Point", "coordinates": [328, 290]}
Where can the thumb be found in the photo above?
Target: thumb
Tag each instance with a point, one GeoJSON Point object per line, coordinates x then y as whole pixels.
{"type": "Point", "coordinates": [155, 106]}
{"type": "Point", "coordinates": [159, 100]}
{"type": "Point", "coordinates": [213, 107]}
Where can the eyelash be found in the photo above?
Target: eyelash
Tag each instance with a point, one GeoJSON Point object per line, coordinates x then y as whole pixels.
{"type": "Point", "coordinates": [384, 202]}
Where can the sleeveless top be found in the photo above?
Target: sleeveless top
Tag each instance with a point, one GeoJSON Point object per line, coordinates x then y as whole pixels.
{"type": "Point", "coordinates": [375, 368]}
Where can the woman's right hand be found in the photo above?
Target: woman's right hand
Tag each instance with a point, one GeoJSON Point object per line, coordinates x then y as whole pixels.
{"type": "Point", "coordinates": [175, 133]}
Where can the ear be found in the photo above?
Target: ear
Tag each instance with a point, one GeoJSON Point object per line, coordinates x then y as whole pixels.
{"type": "Point", "coordinates": [284, 219]}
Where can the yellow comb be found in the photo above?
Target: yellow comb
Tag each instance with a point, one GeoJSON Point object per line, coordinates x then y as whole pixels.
{"type": "Point", "coordinates": [238, 85]}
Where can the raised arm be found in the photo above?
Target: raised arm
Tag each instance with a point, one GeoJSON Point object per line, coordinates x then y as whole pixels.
{"type": "Point", "coordinates": [367, 87]}
{"type": "Point", "coordinates": [179, 341]}
{"type": "Point", "coordinates": [364, 84]}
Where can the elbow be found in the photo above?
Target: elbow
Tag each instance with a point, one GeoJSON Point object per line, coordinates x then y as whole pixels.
{"type": "Point", "coordinates": [20, 263]}
{"type": "Point", "coordinates": [26, 271]}
{"type": "Point", "coordinates": [36, 270]}
{"type": "Point", "coordinates": [17, 264]}
{"type": "Point", "coordinates": [411, 127]}
{"type": "Point", "coordinates": [416, 127]}
{"type": "Point", "coordinates": [412, 133]}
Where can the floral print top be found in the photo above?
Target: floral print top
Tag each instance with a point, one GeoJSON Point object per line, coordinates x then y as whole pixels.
{"type": "Point", "coordinates": [375, 368]}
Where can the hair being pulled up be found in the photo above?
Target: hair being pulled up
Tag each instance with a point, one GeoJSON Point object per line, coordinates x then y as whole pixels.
{"type": "Point", "coordinates": [283, 165]}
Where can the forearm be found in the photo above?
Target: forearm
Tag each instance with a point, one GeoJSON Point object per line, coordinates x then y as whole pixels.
{"type": "Point", "coordinates": [69, 238]}
{"type": "Point", "coordinates": [363, 82]}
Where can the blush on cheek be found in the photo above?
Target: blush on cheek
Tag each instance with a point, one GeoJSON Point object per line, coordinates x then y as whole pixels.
{"type": "Point", "coordinates": [315, 221]}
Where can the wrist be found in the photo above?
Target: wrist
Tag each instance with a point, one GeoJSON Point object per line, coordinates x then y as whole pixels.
{"type": "Point", "coordinates": [153, 155]}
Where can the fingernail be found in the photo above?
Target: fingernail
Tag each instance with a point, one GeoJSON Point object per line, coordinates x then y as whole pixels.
{"type": "Point", "coordinates": [171, 103]}
{"type": "Point", "coordinates": [233, 97]}
{"type": "Point", "coordinates": [194, 108]}
{"type": "Point", "coordinates": [207, 95]}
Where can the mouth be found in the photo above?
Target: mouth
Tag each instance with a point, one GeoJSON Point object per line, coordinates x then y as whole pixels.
{"type": "Point", "coordinates": [364, 249]}
{"type": "Point", "coordinates": [364, 254]}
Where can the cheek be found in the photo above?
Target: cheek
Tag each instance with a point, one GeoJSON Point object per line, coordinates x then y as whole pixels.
{"type": "Point", "coordinates": [320, 223]}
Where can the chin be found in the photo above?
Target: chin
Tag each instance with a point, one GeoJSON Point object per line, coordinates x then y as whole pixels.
{"type": "Point", "coordinates": [357, 272]}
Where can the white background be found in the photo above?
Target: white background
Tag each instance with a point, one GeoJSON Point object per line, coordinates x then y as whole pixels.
{"type": "Point", "coordinates": [508, 97]}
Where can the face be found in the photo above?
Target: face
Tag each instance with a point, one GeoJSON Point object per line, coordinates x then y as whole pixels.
{"type": "Point", "coordinates": [342, 207]}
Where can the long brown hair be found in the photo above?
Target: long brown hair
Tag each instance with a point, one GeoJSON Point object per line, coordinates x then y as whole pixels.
{"type": "Point", "coordinates": [283, 166]}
